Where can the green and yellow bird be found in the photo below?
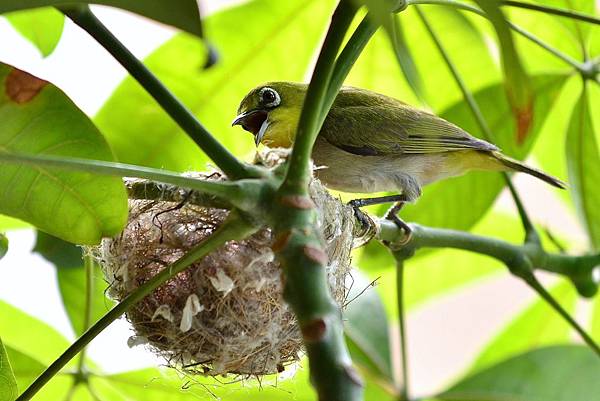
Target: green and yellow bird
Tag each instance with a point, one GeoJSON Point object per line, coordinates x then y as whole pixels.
{"type": "Point", "coordinates": [374, 143]}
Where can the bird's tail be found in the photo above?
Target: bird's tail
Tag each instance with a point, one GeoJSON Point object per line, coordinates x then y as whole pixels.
{"type": "Point", "coordinates": [515, 165]}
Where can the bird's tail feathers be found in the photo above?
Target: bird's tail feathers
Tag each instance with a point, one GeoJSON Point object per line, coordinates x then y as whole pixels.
{"type": "Point", "coordinates": [516, 165]}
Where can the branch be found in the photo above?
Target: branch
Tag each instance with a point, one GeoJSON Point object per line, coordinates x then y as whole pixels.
{"type": "Point", "coordinates": [530, 233]}
{"type": "Point", "coordinates": [553, 10]}
{"type": "Point", "coordinates": [234, 228]}
{"type": "Point", "coordinates": [243, 194]}
{"type": "Point", "coordinates": [83, 16]}
{"type": "Point", "coordinates": [152, 190]}
{"type": "Point", "coordinates": [404, 389]}
{"type": "Point", "coordinates": [467, 7]}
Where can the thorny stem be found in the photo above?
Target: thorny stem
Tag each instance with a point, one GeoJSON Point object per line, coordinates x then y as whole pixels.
{"type": "Point", "coordinates": [404, 389]}
{"type": "Point", "coordinates": [241, 193]}
{"type": "Point", "coordinates": [233, 228]}
{"type": "Point", "coordinates": [530, 232]}
{"type": "Point", "coordinates": [232, 167]}
{"type": "Point", "coordinates": [467, 7]}
{"type": "Point", "coordinates": [553, 10]}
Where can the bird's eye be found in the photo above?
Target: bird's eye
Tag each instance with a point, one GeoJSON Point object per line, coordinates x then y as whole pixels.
{"type": "Point", "coordinates": [269, 97]}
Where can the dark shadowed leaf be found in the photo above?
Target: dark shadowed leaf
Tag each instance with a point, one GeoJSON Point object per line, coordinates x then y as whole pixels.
{"type": "Point", "coordinates": [41, 26]}
{"type": "Point", "coordinates": [558, 373]}
{"type": "Point", "coordinates": [182, 14]}
{"type": "Point", "coordinates": [8, 384]}
{"type": "Point", "coordinates": [538, 325]}
{"type": "Point", "coordinates": [251, 54]}
{"type": "Point", "coordinates": [518, 88]}
{"type": "Point", "coordinates": [38, 118]}
{"type": "Point", "coordinates": [3, 245]}
{"type": "Point", "coordinates": [72, 281]}
{"type": "Point", "coordinates": [366, 329]}
{"type": "Point", "coordinates": [583, 160]}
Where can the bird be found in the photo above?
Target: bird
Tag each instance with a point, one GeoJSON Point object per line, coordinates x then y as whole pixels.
{"type": "Point", "coordinates": [370, 142]}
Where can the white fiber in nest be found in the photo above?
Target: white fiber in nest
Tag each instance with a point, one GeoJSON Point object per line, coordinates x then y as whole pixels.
{"type": "Point", "coordinates": [225, 313]}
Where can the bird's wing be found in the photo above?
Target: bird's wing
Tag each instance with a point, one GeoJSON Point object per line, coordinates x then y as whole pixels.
{"type": "Point", "coordinates": [386, 126]}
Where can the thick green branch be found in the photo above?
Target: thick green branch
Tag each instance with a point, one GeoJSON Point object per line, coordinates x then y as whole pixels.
{"type": "Point", "coordinates": [233, 228]}
{"type": "Point", "coordinates": [531, 234]}
{"type": "Point", "coordinates": [243, 194]}
{"type": "Point", "coordinates": [83, 16]}
{"type": "Point", "coordinates": [553, 10]}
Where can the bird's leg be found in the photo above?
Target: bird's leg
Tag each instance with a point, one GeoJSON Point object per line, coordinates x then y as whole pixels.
{"type": "Point", "coordinates": [392, 214]}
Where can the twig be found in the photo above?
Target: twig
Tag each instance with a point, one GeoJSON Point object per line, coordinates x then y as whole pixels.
{"type": "Point", "coordinates": [83, 16]}
{"type": "Point", "coordinates": [405, 385]}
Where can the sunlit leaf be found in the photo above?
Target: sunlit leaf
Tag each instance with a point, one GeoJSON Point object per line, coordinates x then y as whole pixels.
{"type": "Point", "coordinates": [3, 245]}
{"type": "Point", "coordinates": [518, 88]}
{"type": "Point", "coordinates": [182, 14]}
{"type": "Point", "coordinates": [443, 204]}
{"type": "Point", "coordinates": [41, 26]}
{"type": "Point", "coordinates": [23, 333]}
{"type": "Point", "coordinates": [578, 29]}
{"type": "Point", "coordinates": [8, 384]}
{"type": "Point", "coordinates": [366, 329]}
{"type": "Point", "coordinates": [583, 160]}
{"type": "Point", "coordinates": [72, 281]}
{"type": "Point", "coordinates": [254, 43]}
{"type": "Point", "coordinates": [9, 223]}
{"type": "Point", "coordinates": [25, 368]}
{"type": "Point", "coordinates": [559, 373]}
{"type": "Point", "coordinates": [36, 117]}
{"type": "Point", "coordinates": [538, 325]}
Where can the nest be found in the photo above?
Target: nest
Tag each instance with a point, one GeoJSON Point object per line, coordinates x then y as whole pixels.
{"type": "Point", "coordinates": [225, 313]}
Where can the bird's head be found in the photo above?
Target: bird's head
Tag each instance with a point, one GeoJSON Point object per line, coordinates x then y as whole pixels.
{"type": "Point", "coordinates": [271, 112]}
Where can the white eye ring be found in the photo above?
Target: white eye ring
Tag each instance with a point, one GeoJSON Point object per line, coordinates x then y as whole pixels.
{"type": "Point", "coordinates": [273, 103]}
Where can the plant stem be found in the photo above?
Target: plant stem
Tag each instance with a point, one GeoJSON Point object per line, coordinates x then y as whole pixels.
{"type": "Point", "coordinates": [467, 7]}
{"type": "Point", "coordinates": [242, 193]}
{"type": "Point", "coordinates": [553, 10]}
{"type": "Point", "coordinates": [404, 389]}
{"type": "Point", "coordinates": [298, 174]}
{"type": "Point", "coordinates": [233, 168]}
{"type": "Point", "coordinates": [530, 232]}
{"type": "Point", "coordinates": [233, 228]}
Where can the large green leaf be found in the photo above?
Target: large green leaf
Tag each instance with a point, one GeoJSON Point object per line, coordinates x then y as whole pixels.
{"type": "Point", "coordinates": [443, 204]}
{"type": "Point", "coordinates": [538, 325]}
{"type": "Point", "coordinates": [251, 53]}
{"type": "Point", "coordinates": [41, 26]}
{"type": "Point", "coordinates": [25, 368]}
{"type": "Point", "coordinates": [577, 29]}
{"type": "Point", "coordinates": [9, 223]}
{"type": "Point", "coordinates": [73, 281]}
{"type": "Point", "coordinates": [559, 373]}
{"type": "Point", "coordinates": [583, 159]}
{"type": "Point", "coordinates": [182, 14]}
{"type": "Point", "coordinates": [366, 329]}
{"type": "Point", "coordinates": [23, 333]}
{"type": "Point", "coordinates": [36, 117]}
{"type": "Point", "coordinates": [8, 383]}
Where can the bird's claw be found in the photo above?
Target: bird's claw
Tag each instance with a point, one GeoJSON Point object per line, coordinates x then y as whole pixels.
{"type": "Point", "coordinates": [364, 220]}
{"type": "Point", "coordinates": [402, 226]}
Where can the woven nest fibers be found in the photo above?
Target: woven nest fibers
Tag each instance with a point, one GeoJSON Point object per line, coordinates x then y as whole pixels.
{"type": "Point", "coordinates": [225, 313]}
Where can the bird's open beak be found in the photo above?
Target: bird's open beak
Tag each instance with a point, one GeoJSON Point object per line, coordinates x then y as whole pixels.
{"type": "Point", "coordinates": [254, 121]}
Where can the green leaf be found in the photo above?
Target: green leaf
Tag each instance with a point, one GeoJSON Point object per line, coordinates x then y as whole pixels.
{"type": "Point", "coordinates": [443, 203]}
{"type": "Point", "coordinates": [3, 245]}
{"type": "Point", "coordinates": [8, 384]}
{"type": "Point", "coordinates": [25, 368]}
{"type": "Point", "coordinates": [37, 118]}
{"type": "Point", "coordinates": [73, 281]}
{"type": "Point", "coordinates": [23, 333]}
{"type": "Point", "coordinates": [182, 14]}
{"type": "Point", "coordinates": [583, 160]}
{"type": "Point", "coordinates": [559, 373]}
{"type": "Point", "coordinates": [595, 330]}
{"type": "Point", "coordinates": [578, 30]}
{"type": "Point", "coordinates": [251, 53]}
{"type": "Point", "coordinates": [518, 88]}
{"type": "Point", "coordinates": [41, 26]}
{"type": "Point", "coordinates": [538, 325]}
{"type": "Point", "coordinates": [366, 329]}
{"type": "Point", "coordinates": [9, 223]}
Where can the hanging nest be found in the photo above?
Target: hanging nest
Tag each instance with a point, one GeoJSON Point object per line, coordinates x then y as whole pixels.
{"type": "Point", "coordinates": [225, 313]}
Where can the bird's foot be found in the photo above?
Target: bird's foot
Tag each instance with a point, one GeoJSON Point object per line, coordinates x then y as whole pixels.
{"type": "Point", "coordinates": [402, 226]}
{"type": "Point", "coordinates": [362, 217]}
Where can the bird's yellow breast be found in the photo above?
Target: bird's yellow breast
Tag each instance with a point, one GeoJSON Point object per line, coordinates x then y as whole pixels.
{"type": "Point", "coordinates": [283, 122]}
